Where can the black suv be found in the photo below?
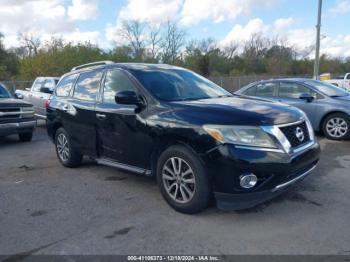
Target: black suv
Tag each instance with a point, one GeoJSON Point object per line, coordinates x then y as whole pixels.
{"type": "Point", "coordinates": [196, 138]}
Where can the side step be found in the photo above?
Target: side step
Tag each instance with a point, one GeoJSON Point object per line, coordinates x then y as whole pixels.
{"type": "Point", "coordinates": [134, 169]}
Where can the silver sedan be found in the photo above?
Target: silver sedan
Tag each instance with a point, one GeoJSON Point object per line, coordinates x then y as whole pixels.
{"type": "Point", "coordinates": [327, 106]}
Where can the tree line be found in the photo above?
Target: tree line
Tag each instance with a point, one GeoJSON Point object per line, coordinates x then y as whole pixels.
{"type": "Point", "coordinates": [164, 43]}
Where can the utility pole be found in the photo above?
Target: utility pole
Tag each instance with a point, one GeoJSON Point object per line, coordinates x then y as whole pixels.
{"type": "Point", "coordinates": [317, 53]}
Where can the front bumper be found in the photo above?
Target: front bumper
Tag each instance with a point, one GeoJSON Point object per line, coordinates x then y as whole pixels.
{"type": "Point", "coordinates": [276, 172]}
{"type": "Point", "coordinates": [7, 129]}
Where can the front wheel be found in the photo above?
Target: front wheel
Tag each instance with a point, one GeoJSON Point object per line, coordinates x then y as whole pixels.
{"type": "Point", "coordinates": [183, 180]}
{"type": "Point", "coordinates": [66, 153]}
{"type": "Point", "coordinates": [337, 126]}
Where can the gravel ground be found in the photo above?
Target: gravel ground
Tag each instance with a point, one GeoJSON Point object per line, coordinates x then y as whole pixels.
{"type": "Point", "coordinates": [48, 209]}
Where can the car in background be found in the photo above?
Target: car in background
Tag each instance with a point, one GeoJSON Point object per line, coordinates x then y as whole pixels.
{"type": "Point", "coordinates": [198, 139]}
{"type": "Point", "coordinates": [327, 106]}
{"type": "Point", "coordinates": [39, 94]}
{"type": "Point", "coordinates": [16, 116]}
{"type": "Point", "coordinates": [342, 81]}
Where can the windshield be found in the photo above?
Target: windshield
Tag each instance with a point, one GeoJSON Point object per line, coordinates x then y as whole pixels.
{"type": "Point", "coordinates": [4, 93]}
{"type": "Point", "coordinates": [327, 89]}
{"type": "Point", "coordinates": [178, 84]}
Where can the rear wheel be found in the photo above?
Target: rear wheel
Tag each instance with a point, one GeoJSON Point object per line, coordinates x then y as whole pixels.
{"type": "Point", "coordinates": [66, 153]}
{"type": "Point", "coordinates": [25, 137]}
{"type": "Point", "coordinates": [183, 180]}
{"type": "Point", "coordinates": [337, 126]}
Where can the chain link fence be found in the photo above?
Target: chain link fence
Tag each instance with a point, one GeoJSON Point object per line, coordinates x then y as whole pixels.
{"type": "Point", "coordinates": [233, 83]}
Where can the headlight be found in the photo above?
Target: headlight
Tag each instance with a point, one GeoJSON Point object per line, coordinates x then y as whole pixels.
{"type": "Point", "coordinates": [240, 135]}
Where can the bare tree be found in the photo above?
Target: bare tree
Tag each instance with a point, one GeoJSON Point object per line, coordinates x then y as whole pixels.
{"type": "Point", "coordinates": [133, 33]}
{"type": "Point", "coordinates": [155, 40]}
{"type": "Point", "coordinates": [230, 50]}
{"type": "Point", "coordinates": [173, 41]}
{"type": "Point", "coordinates": [30, 43]}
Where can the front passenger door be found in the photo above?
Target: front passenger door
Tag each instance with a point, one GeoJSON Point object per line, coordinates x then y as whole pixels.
{"type": "Point", "coordinates": [121, 131]}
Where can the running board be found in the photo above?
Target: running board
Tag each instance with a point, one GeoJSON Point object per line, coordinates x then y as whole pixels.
{"type": "Point", "coordinates": [134, 169]}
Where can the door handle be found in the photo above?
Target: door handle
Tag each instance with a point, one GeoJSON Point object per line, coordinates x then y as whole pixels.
{"type": "Point", "coordinates": [100, 116]}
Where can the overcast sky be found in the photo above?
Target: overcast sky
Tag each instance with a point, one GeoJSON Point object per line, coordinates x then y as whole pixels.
{"type": "Point", "coordinates": [225, 20]}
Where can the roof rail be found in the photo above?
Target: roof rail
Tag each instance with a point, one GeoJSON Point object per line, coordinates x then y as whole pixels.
{"type": "Point", "coordinates": [92, 64]}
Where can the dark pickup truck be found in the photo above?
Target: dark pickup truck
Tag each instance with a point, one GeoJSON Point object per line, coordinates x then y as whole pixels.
{"type": "Point", "coordinates": [16, 116]}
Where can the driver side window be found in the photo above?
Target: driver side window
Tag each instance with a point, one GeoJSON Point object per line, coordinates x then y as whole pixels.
{"type": "Point", "coordinates": [294, 90]}
{"type": "Point", "coordinates": [116, 81]}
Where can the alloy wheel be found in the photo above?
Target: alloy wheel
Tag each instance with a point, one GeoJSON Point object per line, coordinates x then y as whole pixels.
{"type": "Point", "coordinates": [179, 180]}
{"type": "Point", "coordinates": [62, 147]}
{"type": "Point", "coordinates": [337, 127]}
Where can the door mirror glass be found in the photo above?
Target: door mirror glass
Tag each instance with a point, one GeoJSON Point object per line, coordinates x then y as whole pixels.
{"type": "Point", "coordinates": [46, 90]}
{"type": "Point", "coordinates": [19, 96]}
{"type": "Point", "coordinates": [306, 96]}
{"type": "Point", "coordinates": [127, 98]}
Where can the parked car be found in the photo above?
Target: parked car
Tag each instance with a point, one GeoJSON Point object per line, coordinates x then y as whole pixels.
{"type": "Point", "coordinates": [327, 106]}
{"type": "Point", "coordinates": [198, 139]}
{"type": "Point", "coordinates": [16, 116]}
{"type": "Point", "coordinates": [39, 94]}
{"type": "Point", "coordinates": [342, 81]}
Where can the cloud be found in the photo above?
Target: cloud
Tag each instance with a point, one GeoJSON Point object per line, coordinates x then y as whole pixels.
{"type": "Point", "coordinates": [153, 11]}
{"type": "Point", "coordinates": [194, 11]}
{"type": "Point", "coordinates": [83, 9]}
{"type": "Point", "coordinates": [341, 7]}
{"type": "Point", "coordinates": [240, 33]}
{"type": "Point", "coordinates": [300, 38]}
{"type": "Point", "coordinates": [283, 23]}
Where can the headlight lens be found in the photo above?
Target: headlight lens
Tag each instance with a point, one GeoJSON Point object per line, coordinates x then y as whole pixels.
{"type": "Point", "coordinates": [240, 135]}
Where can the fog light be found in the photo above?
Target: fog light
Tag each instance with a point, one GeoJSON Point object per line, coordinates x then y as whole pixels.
{"type": "Point", "coordinates": [248, 180]}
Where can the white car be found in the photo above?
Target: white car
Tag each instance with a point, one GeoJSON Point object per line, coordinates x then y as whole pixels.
{"type": "Point", "coordinates": [341, 81]}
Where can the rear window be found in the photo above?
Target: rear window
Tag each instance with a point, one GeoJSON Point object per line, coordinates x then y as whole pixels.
{"type": "Point", "coordinates": [87, 85]}
{"type": "Point", "coordinates": [65, 85]}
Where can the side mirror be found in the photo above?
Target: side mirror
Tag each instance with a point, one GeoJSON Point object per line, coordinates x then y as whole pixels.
{"type": "Point", "coordinates": [19, 96]}
{"type": "Point", "coordinates": [307, 97]}
{"type": "Point", "coordinates": [128, 98]}
{"type": "Point", "coordinates": [46, 90]}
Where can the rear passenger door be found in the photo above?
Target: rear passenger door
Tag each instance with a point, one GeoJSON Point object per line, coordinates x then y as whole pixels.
{"type": "Point", "coordinates": [78, 112]}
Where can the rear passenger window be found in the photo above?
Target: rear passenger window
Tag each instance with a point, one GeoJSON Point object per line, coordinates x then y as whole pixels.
{"type": "Point", "coordinates": [266, 89]}
{"type": "Point", "coordinates": [250, 91]}
{"type": "Point", "coordinates": [87, 85]}
{"type": "Point", "coordinates": [65, 85]}
{"type": "Point", "coordinates": [115, 82]}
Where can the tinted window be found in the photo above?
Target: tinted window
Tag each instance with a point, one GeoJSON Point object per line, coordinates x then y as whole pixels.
{"type": "Point", "coordinates": [250, 91]}
{"type": "Point", "coordinates": [266, 89]}
{"type": "Point", "coordinates": [87, 85]}
{"type": "Point", "coordinates": [65, 85]}
{"type": "Point", "coordinates": [4, 93]}
{"type": "Point", "coordinates": [327, 89]}
{"type": "Point", "coordinates": [348, 77]}
{"type": "Point", "coordinates": [115, 82]}
{"type": "Point", "coordinates": [178, 84]}
{"type": "Point", "coordinates": [38, 84]}
{"type": "Point", "coordinates": [294, 90]}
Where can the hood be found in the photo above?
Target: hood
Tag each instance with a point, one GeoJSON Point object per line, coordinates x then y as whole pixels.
{"type": "Point", "coordinates": [11, 102]}
{"type": "Point", "coordinates": [236, 111]}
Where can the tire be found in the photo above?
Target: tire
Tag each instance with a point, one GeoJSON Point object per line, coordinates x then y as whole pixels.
{"type": "Point", "coordinates": [191, 181]}
{"type": "Point", "coordinates": [25, 137]}
{"type": "Point", "coordinates": [66, 153]}
{"type": "Point", "coordinates": [336, 126]}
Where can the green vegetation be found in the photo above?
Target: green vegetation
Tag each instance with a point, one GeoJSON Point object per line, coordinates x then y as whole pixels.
{"type": "Point", "coordinates": [164, 44]}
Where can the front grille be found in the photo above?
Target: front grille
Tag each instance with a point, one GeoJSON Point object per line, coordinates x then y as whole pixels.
{"type": "Point", "coordinates": [10, 113]}
{"type": "Point", "coordinates": [291, 134]}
